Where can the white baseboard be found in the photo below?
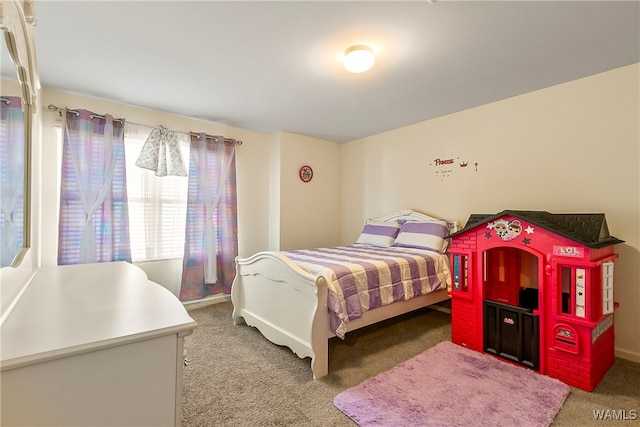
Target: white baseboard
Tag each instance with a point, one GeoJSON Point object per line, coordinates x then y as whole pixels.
{"type": "Point", "coordinates": [204, 302]}
{"type": "Point", "coordinates": [628, 355]}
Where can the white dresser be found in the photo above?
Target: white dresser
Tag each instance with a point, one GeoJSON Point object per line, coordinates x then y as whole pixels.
{"type": "Point", "coordinates": [93, 344]}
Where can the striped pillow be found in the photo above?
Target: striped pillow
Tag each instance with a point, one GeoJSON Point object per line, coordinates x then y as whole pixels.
{"type": "Point", "coordinates": [378, 233]}
{"type": "Point", "coordinates": [423, 235]}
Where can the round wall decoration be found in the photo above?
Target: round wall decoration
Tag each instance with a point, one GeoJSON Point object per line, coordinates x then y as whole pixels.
{"type": "Point", "coordinates": [306, 173]}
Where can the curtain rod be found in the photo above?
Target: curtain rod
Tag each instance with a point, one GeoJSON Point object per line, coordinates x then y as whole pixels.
{"type": "Point", "coordinates": [55, 108]}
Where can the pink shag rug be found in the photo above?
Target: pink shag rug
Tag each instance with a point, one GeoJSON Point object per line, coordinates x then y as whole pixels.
{"type": "Point", "coordinates": [449, 385]}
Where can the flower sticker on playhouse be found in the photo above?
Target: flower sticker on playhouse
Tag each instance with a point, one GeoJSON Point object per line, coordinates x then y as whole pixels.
{"type": "Point", "coordinates": [507, 230]}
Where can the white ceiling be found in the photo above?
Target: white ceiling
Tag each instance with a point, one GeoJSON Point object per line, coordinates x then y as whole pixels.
{"type": "Point", "coordinates": [269, 66]}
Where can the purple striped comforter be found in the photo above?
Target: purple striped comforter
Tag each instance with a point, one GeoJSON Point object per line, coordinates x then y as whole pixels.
{"type": "Point", "coordinates": [362, 278]}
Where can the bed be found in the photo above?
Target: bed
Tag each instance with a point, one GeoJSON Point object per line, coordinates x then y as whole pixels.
{"type": "Point", "coordinates": [301, 299]}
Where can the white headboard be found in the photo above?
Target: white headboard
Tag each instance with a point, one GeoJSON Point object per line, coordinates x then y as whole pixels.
{"type": "Point", "coordinates": [410, 215]}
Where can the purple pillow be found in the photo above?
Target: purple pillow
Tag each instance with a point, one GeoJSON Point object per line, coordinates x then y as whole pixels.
{"type": "Point", "coordinates": [378, 233]}
{"type": "Point", "coordinates": [423, 235]}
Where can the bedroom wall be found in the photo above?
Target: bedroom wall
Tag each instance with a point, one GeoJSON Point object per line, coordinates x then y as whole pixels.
{"type": "Point", "coordinates": [568, 148]}
{"type": "Point", "coordinates": [309, 212]}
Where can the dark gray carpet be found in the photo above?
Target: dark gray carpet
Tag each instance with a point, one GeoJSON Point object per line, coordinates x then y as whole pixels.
{"type": "Point", "coordinates": [235, 377]}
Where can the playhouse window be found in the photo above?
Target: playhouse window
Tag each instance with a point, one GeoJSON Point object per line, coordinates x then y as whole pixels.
{"type": "Point", "coordinates": [607, 287]}
{"type": "Point", "coordinates": [573, 291]}
{"type": "Point", "coordinates": [460, 273]}
{"type": "Point", "coordinates": [566, 291]}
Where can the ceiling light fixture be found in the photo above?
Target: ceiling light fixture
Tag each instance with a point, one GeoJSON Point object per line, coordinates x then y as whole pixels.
{"type": "Point", "coordinates": [358, 59]}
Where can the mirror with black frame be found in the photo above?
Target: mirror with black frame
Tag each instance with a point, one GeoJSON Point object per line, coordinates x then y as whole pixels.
{"type": "Point", "coordinates": [18, 90]}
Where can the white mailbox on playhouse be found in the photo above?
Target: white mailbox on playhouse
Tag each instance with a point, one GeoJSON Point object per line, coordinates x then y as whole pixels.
{"type": "Point", "coordinates": [536, 289]}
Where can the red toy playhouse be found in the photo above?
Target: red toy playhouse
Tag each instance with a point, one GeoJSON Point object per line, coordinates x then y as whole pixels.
{"type": "Point", "coordinates": [536, 289]}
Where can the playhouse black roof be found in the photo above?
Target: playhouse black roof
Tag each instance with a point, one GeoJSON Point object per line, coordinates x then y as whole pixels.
{"type": "Point", "coordinates": [588, 229]}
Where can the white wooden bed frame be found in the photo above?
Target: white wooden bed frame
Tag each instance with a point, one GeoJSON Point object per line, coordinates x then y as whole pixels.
{"type": "Point", "coordinates": [289, 305]}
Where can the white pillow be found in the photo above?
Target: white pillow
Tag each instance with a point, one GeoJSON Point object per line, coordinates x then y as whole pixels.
{"type": "Point", "coordinates": [423, 235]}
{"type": "Point", "coordinates": [378, 233]}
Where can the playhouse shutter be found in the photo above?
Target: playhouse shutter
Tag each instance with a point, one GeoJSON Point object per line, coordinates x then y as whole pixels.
{"type": "Point", "coordinates": [580, 292]}
{"type": "Point", "coordinates": [607, 287]}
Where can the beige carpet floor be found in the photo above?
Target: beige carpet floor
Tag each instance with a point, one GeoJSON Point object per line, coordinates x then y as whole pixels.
{"type": "Point", "coordinates": [235, 377]}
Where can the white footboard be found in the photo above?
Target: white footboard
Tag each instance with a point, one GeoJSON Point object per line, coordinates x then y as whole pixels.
{"type": "Point", "coordinates": [289, 306]}
{"type": "Point", "coordinates": [286, 304]}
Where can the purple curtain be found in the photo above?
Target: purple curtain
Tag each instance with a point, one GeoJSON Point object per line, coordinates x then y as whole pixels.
{"type": "Point", "coordinates": [11, 178]}
{"type": "Point", "coordinates": [94, 218]}
{"type": "Point", "coordinates": [211, 235]}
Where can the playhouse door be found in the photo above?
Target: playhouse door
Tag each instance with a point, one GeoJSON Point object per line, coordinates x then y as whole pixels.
{"type": "Point", "coordinates": [512, 333]}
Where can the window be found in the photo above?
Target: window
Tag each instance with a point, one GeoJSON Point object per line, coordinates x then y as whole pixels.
{"type": "Point", "coordinates": [565, 291]}
{"type": "Point", "coordinates": [460, 273]}
{"type": "Point", "coordinates": [573, 299]}
{"type": "Point", "coordinates": [157, 205]}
